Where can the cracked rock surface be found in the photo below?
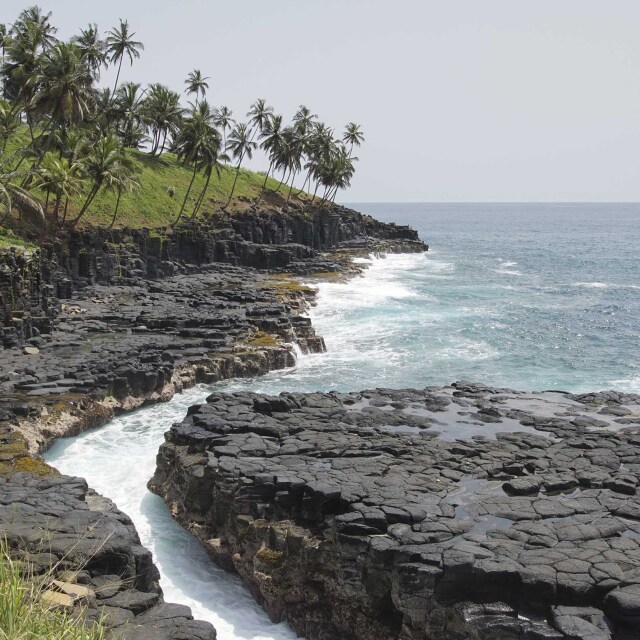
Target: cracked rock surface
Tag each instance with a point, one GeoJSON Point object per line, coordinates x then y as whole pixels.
{"type": "Point", "coordinates": [455, 512]}
{"type": "Point", "coordinates": [95, 552]}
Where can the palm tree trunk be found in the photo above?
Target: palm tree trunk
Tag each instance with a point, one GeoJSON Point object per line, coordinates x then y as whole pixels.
{"type": "Point", "coordinates": [115, 211]}
{"type": "Point", "coordinates": [87, 202]}
{"type": "Point", "coordinates": [202, 194]}
{"type": "Point", "coordinates": [285, 176]}
{"type": "Point", "coordinates": [186, 197]}
{"type": "Point", "coordinates": [115, 86]}
{"type": "Point", "coordinates": [315, 191]}
{"type": "Point", "coordinates": [233, 188]}
{"type": "Point", "coordinates": [64, 213]}
{"type": "Point", "coordinates": [293, 179]}
{"type": "Point", "coordinates": [56, 208]}
{"type": "Point", "coordinates": [164, 140]}
{"type": "Point", "coordinates": [307, 179]}
{"type": "Point", "coordinates": [264, 184]}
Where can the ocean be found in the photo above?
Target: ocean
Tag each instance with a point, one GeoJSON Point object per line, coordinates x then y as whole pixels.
{"type": "Point", "coordinates": [525, 296]}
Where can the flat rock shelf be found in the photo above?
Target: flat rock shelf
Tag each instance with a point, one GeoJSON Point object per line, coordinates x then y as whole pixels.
{"type": "Point", "coordinates": [361, 516]}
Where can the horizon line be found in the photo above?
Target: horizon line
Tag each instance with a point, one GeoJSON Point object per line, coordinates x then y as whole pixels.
{"type": "Point", "coordinates": [505, 202]}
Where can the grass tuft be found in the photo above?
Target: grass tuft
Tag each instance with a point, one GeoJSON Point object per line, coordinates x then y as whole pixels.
{"type": "Point", "coordinates": [25, 614]}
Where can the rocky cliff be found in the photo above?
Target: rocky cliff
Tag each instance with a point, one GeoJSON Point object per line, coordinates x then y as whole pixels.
{"type": "Point", "coordinates": [462, 512]}
{"type": "Point", "coordinates": [96, 323]}
{"type": "Point", "coordinates": [33, 282]}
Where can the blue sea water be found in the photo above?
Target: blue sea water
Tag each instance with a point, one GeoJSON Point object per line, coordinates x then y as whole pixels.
{"type": "Point", "coordinates": [526, 296]}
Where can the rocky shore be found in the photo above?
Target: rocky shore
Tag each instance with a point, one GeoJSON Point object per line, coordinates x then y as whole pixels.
{"type": "Point", "coordinates": [455, 512]}
{"type": "Point", "coordinates": [97, 323]}
{"type": "Point", "coordinates": [94, 557]}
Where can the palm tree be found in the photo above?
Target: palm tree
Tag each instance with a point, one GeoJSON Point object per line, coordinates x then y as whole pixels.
{"type": "Point", "coordinates": [9, 123]}
{"type": "Point", "coordinates": [129, 116]}
{"type": "Point", "coordinates": [4, 37]}
{"type": "Point", "coordinates": [36, 24]}
{"type": "Point", "coordinates": [258, 114]}
{"type": "Point", "coordinates": [272, 144]}
{"type": "Point", "coordinates": [101, 166]}
{"type": "Point", "coordinates": [20, 69]}
{"type": "Point", "coordinates": [222, 118]}
{"type": "Point", "coordinates": [304, 119]}
{"type": "Point", "coordinates": [240, 146]}
{"type": "Point", "coordinates": [162, 113]}
{"type": "Point", "coordinates": [119, 43]}
{"type": "Point", "coordinates": [92, 49]}
{"type": "Point", "coordinates": [64, 89]}
{"type": "Point", "coordinates": [294, 149]}
{"type": "Point", "coordinates": [62, 178]}
{"type": "Point", "coordinates": [320, 148]}
{"type": "Point", "coordinates": [198, 143]}
{"type": "Point", "coordinates": [106, 111]}
{"type": "Point", "coordinates": [353, 136]}
{"type": "Point", "coordinates": [196, 84]}
{"type": "Point", "coordinates": [123, 180]}
{"type": "Point", "coordinates": [11, 192]}
{"type": "Point", "coordinates": [335, 172]}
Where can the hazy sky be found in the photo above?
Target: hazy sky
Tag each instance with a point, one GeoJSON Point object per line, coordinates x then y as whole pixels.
{"type": "Point", "coordinates": [460, 100]}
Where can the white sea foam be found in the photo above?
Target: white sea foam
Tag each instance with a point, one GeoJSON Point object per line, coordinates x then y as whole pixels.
{"type": "Point", "coordinates": [604, 285]}
{"type": "Point", "coordinates": [382, 281]}
{"type": "Point", "coordinates": [630, 385]}
{"type": "Point", "coordinates": [508, 272]}
{"type": "Point", "coordinates": [117, 460]}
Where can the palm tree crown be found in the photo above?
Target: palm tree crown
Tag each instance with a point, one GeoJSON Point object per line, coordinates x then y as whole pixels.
{"type": "Point", "coordinates": [353, 135]}
{"type": "Point", "coordinates": [258, 114]}
{"type": "Point", "coordinates": [92, 49]}
{"type": "Point", "coordinates": [120, 42]}
{"type": "Point", "coordinates": [197, 84]}
{"type": "Point", "coordinates": [64, 87]}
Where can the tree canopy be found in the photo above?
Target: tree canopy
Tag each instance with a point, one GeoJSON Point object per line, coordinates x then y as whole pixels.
{"type": "Point", "coordinates": [76, 137]}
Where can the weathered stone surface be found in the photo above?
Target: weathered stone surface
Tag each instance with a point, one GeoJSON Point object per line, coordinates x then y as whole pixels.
{"type": "Point", "coordinates": [85, 537]}
{"type": "Point", "coordinates": [99, 322]}
{"type": "Point", "coordinates": [405, 514]}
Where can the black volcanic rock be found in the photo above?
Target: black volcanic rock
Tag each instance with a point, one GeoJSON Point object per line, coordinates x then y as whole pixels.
{"type": "Point", "coordinates": [58, 525]}
{"type": "Point", "coordinates": [350, 517]}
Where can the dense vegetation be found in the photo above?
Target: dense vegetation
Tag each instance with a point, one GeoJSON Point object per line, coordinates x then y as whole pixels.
{"type": "Point", "coordinates": [73, 151]}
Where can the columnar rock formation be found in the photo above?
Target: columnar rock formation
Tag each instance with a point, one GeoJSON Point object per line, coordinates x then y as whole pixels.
{"type": "Point", "coordinates": [461, 512]}
{"type": "Point", "coordinates": [97, 323]}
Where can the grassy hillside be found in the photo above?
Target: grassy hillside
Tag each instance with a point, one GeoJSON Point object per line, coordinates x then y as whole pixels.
{"type": "Point", "coordinates": [164, 182]}
{"type": "Point", "coordinates": [152, 205]}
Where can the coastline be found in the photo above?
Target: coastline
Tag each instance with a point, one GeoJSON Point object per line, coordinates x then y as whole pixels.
{"type": "Point", "coordinates": [257, 325]}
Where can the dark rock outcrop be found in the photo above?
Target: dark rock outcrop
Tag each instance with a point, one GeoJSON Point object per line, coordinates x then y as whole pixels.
{"type": "Point", "coordinates": [89, 549]}
{"type": "Point", "coordinates": [95, 323]}
{"type": "Point", "coordinates": [33, 282]}
{"type": "Point", "coordinates": [461, 512]}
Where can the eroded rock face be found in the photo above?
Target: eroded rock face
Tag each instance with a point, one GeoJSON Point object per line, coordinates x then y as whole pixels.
{"type": "Point", "coordinates": [116, 347]}
{"type": "Point", "coordinates": [92, 550]}
{"type": "Point", "coordinates": [461, 512]}
{"type": "Point", "coordinates": [33, 283]}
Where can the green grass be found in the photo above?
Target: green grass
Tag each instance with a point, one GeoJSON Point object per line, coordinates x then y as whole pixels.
{"type": "Point", "coordinates": [9, 239]}
{"type": "Point", "coordinates": [153, 206]}
{"type": "Point", "coordinates": [24, 615]}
